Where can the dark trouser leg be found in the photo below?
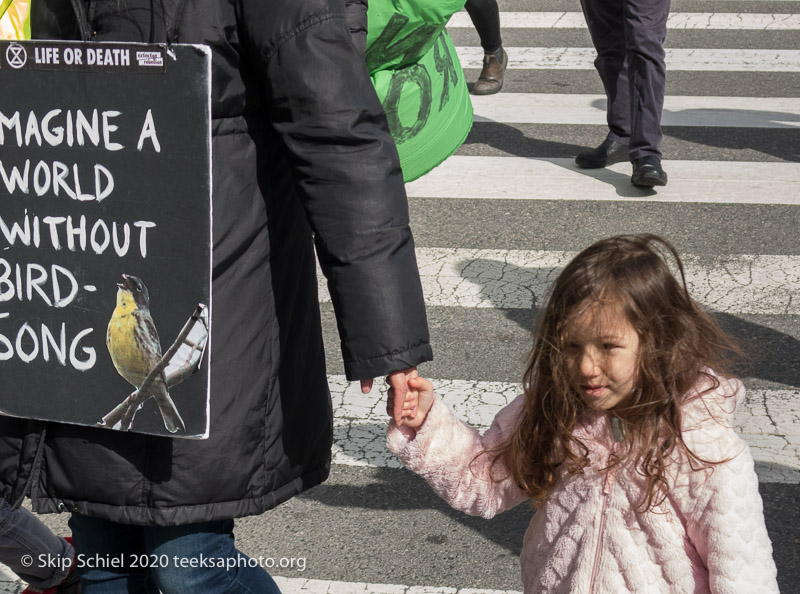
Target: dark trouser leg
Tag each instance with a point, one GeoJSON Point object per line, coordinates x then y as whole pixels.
{"type": "Point", "coordinates": [645, 30]}
{"type": "Point", "coordinates": [485, 16]}
{"type": "Point", "coordinates": [604, 19]}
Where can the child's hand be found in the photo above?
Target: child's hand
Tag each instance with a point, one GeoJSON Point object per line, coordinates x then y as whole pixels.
{"type": "Point", "coordinates": [419, 400]}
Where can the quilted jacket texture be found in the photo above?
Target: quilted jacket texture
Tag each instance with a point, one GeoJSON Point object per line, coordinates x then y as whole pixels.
{"type": "Point", "coordinates": [707, 536]}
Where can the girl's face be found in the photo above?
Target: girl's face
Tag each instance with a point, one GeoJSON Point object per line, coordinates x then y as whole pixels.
{"type": "Point", "coordinates": [602, 353]}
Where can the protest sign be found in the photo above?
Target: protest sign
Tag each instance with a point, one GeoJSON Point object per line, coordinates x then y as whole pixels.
{"type": "Point", "coordinates": [105, 213]}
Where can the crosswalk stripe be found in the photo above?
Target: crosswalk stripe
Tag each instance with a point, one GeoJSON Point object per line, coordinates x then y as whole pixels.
{"type": "Point", "coordinates": [769, 421]}
{"type": "Point", "coordinates": [470, 278]}
{"type": "Point", "coordinates": [574, 109]}
{"type": "Point", "coordinates": [580, 58]}
{"type": "Point", "coordinates": [10, 584]}
{"type": "Point", "coordinates": [522, 178]}
{"type": "Point", "coordinates": [678, 20]}
{"type": "Point", "coordinates": [303, 586]}
{"type": "Point", "coordinates": [518, 279]}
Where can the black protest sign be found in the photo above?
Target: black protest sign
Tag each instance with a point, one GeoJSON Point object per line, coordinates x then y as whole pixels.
{"type": "Point", "coordinates": [105, 235]}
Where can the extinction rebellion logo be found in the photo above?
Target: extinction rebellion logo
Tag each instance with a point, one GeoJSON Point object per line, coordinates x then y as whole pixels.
{"type": "Point", "coordinates": [82, 56]}
{"type": "Point", "coordinates": [16, 56]}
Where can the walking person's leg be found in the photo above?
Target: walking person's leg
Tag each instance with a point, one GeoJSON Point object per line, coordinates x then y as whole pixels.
{"type": "Point", "coordinates": [109, 556]}
{"type": "Point", "coordinates": [485, 16]}
{"type": "Point", "coordinates": [204, 560]}
{"type": "Point", "coordinates": [605, 21]}
{"type": "Point", "coordinates": [645, 31]}
{"type": "Point", "coordinates": [197, 558]}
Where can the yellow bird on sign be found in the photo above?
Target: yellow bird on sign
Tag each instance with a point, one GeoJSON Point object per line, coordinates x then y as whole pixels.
{"type": "Point", "coordinates": [134, 347]}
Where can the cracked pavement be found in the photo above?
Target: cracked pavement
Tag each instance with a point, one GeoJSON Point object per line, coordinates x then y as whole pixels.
{"type": "Point", "coordinates": [518, 279]}
{"type": "Point", "coordinates": [769, 421]}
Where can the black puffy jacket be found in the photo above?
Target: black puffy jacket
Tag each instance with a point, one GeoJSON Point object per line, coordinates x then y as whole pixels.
{"type": "Point", "coordinates": [302, 153]}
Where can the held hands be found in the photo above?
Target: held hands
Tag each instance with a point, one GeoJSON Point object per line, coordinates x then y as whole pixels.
{"type": "Point", "coordinates": [418, 401]}
{"type": "Point", "coordinates": [398, 381]}
{"type": "Point", "coordinates": [405, 397]}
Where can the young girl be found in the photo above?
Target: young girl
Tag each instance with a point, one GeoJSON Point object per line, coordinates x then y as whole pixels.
{"type": "Point", "coordinates": [622, 439]}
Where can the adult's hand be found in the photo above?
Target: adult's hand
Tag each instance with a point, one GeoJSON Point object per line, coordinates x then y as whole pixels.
{"type": "Point", "coordinates": [397, 380]}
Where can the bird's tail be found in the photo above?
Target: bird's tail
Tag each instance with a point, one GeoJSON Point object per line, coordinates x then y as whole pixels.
{"type": "Point", "coordinates": [172, 419]}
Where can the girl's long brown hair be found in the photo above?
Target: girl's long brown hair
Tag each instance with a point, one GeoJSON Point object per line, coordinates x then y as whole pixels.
{"type": "Point", "coordinates": [678, 343]}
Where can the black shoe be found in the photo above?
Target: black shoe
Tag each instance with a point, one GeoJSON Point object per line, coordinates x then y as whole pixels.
{"type": "Point", "coordinates": [647, 172]}
{"type": "Point", "coordinates": [606, 154]}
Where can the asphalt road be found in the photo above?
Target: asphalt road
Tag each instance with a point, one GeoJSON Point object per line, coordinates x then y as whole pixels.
{"type": "Point", "coordinates": [374, 523]}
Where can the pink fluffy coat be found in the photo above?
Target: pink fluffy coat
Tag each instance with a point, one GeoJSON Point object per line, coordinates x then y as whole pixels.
{"type": "Point", "coordinates": [707, 536]}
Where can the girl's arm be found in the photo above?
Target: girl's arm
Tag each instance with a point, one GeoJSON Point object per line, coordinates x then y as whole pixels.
{"type": "Point", "coordinates": [722, 507]}
{"type": "Point", "coordinates": [447, 453]}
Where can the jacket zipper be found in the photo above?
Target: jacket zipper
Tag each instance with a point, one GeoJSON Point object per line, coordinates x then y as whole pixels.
{"type": "Point", "coordinates": [607, 483]}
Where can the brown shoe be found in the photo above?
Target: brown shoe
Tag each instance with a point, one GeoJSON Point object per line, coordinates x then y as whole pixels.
{"type": "Point", "coordinates": [490, 80]}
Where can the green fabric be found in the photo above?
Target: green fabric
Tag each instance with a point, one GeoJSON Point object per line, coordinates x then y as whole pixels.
{"type": "Point", "coordinates": [419, 80]}
{"type": "Point", "coordinates": [400, 32]}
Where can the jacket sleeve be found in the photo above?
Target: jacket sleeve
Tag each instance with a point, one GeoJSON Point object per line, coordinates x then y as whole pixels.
{"type": "Point", "coordinates": [721, 505]}
{"type": "Point", "coordinates": [448, 454]}
{"type": "Point", "coordinates": [346, 170]}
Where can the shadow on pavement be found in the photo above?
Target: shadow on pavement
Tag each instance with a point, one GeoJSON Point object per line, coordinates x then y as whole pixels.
{"type": "Point", "coordinates": [771, 355]}
{"type": "Point", "coordinates": [401, 490]}
{"type": "Point", "coordinates": [513, 141]}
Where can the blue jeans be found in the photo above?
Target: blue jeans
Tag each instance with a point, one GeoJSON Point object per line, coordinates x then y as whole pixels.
{"type": "Point", "coordinates": [198, 558]}
{"type": "Point", "coordinates": [29, 548]}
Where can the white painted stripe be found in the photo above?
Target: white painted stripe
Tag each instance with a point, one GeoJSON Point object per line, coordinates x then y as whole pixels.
{"type": "Point", "coordinates": [303, 586]}
{"type": "Point", "coordinates": [519, 178]}
{"type": "Point", "coordinates": [9, 582]}
{"type": "Point", "coordinates": [580, 58]}
{"type": "Point", "coordinates": [718, 112]}
{"type": "Point", "coordinates": [519, 279]}
{"type": "Point", "coordinates": [769, 421]}
{"type": "Point", "coordinates": [734, 21]}
{"type": "Point", "coordinates": [515, 279]}
{"type": "Point", "coordinates": [679, 20]}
